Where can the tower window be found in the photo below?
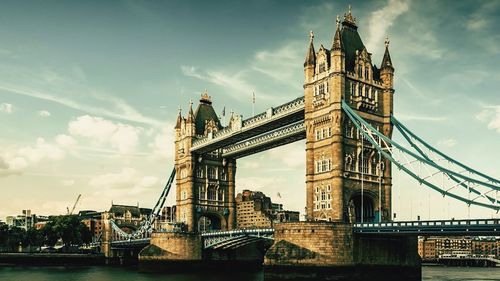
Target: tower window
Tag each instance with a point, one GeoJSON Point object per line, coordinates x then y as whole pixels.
{"type": "Point", "coordinates": [212, 173]}
{"type": "Point", "coordinates": [360, 71]}
{"type": "Point", "coordinates": [321, 89]}
{"type": "Point", "coordinates": [322, 67]}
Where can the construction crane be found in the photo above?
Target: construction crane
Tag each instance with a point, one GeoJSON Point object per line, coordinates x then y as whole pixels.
{"type": "Point", "coordinates": [74, 205]}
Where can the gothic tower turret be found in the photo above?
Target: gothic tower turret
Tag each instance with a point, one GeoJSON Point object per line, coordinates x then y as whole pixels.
{"type": "Point", "coordinates": [346, 180]}
{"type": "Point", "coordinates": [205, 182]}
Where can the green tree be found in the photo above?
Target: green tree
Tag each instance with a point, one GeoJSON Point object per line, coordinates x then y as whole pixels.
{"type": "Point", "coordinates": [69, 228]}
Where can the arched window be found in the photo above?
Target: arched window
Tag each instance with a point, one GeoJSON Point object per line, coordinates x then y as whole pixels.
{"type": "Point", "coordinates": [348, 163]}
{"type": "Point", "coordinates": [212, 194]}
{"type": "Point", "coordinates": [360, 90]}
{"type": "Point", "coordinates": [212, 173]}
{"type": "Point", "coordinates": [223, 174]}
{"type": "Point", "coordinates": [220, 194]}
{"type": "Point", "coordinates": [199, 172]}
{"type": "Point", "coordinates": [363, 163]}
{"type": "Point", "coordinates": [203, 193]}
{"type": "Point", "coordinates": [374, 166]}
{"type": "Point", "coordinates": [360, 71]}
{"type": "Point", "coordinates": [321, 88]}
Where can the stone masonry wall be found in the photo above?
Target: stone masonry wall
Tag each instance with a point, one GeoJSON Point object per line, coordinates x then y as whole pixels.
{"type": "Point", "coordinates": [173, 246]}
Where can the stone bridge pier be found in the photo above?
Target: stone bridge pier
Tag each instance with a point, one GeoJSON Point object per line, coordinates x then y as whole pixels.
{"type": "Point", "coordinates": [330, 251]}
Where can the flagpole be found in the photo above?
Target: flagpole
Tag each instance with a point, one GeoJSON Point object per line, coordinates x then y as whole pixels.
{"type": "Point", "coordinates": [253, 104]}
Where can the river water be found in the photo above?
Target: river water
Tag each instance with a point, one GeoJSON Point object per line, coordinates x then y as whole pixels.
{"type": "Point", "coordinates": [108, 273]}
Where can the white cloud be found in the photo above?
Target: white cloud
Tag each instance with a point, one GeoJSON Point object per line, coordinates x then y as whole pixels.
{"type": "Point", "coordinates": [234, 82]}
{"type": "Point", "coordinates": [68, 182]}
{"type": "Point", "coordinates": [14, 159]}
{"type": "Point", "coordinates": [491, 116]}
{"type": "Point", "coordinates": [280, 64]}
{"type": "Point", "coordinates": [65, 140]}
{"type": "Point", "coordinates": [382, 19]}
{"type": "Point", "coordinates": [44, 113]}
{"type": "Point", "coordinates": [122, 137]}
{"type": "Point", "coordinates": [481, 18]}
{"type": "Point", "coordinates": [127, 179]}
{"type": "Point", "coordinates": [6, 108]}
{"type": "Point", "coordinates": [448, 142]}
{"type": "Point", "coordinates": [414, 117]}
{"type": "Point", "coordinates": [291, 155]}
{"type": "Point", "coordinates": [163, 143]}
{"type": "Point", "coordinates": [115, 107]}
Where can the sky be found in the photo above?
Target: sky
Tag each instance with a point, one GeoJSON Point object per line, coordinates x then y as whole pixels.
{"type": "Point", "coordinates": [89, 91]}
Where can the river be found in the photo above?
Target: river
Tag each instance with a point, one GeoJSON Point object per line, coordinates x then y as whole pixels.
{"type": "Point", "coordinates": [108, 273]}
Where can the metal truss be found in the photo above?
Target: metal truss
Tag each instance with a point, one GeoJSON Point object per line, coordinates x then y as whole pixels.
{"type": "Point", "coordinates": [490, 227]}
{"type": "Point", "coordinates": [273, 118]}
{"type": "Point", "coordinates": [420, 162]}
{"type": "Point", "coordinates": [281, 136]}
{"type": "Point", "coordinates": [146, 227]}
{"type": "Point", "coordinates": [235, 238]}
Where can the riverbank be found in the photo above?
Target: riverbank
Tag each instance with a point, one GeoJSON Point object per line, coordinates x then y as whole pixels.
{"type": "Point", "coordinates": [51, 259]}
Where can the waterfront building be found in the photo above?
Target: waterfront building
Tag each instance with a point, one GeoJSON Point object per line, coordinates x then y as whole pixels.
{"type": "Point", "coordinates": [255, 210]}
{"type": "Point", "coordinates": [431, 248]}
{"type": "Point", "coordinates": [93, 221]}
{"type": "Point", "coordinates": [128, 218]}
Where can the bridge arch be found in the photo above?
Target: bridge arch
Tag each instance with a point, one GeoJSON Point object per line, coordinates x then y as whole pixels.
{"type": "Point", "coordinates": [208, 221]}
{"type": "Point", "coordinates": [367, 202]}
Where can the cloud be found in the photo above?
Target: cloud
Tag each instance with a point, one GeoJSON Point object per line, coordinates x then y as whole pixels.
{"type": "Point", "coordinates": [65, 140]}
{"type": "Point", "coordinates": [280, 64]}
{"type": "Point", "coordinates": [68, 182]}
{"type": "Point", "coordinates": [44, 113]}
{"type": "Point", "coordinates": [163, 143]}
{"type": "Point", "coordinates": [116, 108]}
{"type": "Point", "coordinates": [380, 20]}
{"type": "Point", "coordinates": [449, 142]}
{"type": "Point", "coordinates": [481, 18]}
{"type": "Point", "coordinates": [491, 116]}
{"type": "Point", "coordinates": [234, 83]}
{"type": "Point", "coordinates": [127, 179]}
{"type": "Point", "coordinates": [413, 117]}
{"type": "Point", "coordinates": [120, 136]}
{"type": "Point", "coordinates": [6, 108]}
{"type": "Point", "coordinates": [14, 159]}
{"type": "Point", "coordinates": [291, 156]}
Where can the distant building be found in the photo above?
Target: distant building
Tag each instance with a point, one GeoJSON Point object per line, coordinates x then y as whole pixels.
{"type": "Point", "coordinates": [427, 249]}
{"type": "Point", "coordinates": [255, 210]}
{"type": "Point", "coordinates": [128, 218]}
{"type": "Point", "coordinates": [485, 246]}
{"type": "Point", "coordinates": [93, 221]}
{"type": "Point", "coordinates": [431, 248]}
{"type": "Point", "coordinates": [26, 220]}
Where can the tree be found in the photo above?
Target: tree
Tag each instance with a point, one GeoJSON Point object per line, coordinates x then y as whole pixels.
{"type": "Point", "coordinates": [69, 228]}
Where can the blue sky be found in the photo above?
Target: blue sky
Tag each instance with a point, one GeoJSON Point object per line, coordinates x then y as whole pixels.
{"type": "Point", "coordinates": [89, 90]}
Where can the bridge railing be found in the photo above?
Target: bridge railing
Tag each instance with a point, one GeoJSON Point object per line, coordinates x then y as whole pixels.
{"type": "Point", "coordinates": [249, 231]}
{"type": "Point", "coordinates": [271, 114]}
{"type": "Point", "coordinates": [431, 223]}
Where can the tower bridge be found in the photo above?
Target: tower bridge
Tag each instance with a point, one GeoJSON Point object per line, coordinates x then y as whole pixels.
{"type": "Point", "coordinates": [346, 117]}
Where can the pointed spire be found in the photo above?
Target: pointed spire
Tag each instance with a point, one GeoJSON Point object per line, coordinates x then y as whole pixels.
{"type": "Point", "coordinates": [337, 40]}
{"type": "Point", "coordinates": [179, 119]}
{"type": "Point", "coordinates": [311, 54]}
{"type": "Point", "coordinates": [349, 19]}
{"type": "Point", "coordinates": [190, 117]}
{"type": "Point", "coordinates": [386, 61]}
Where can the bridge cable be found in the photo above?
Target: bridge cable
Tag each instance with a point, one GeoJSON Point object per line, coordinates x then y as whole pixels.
{"type": "Point", "coordinates": [361, 125]}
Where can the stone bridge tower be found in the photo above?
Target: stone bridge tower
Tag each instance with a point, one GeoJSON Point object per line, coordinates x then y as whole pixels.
{"type": "Point", "coordinates": [204, 183]}
{"type": "Point", "coordinates": [346, 179]}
